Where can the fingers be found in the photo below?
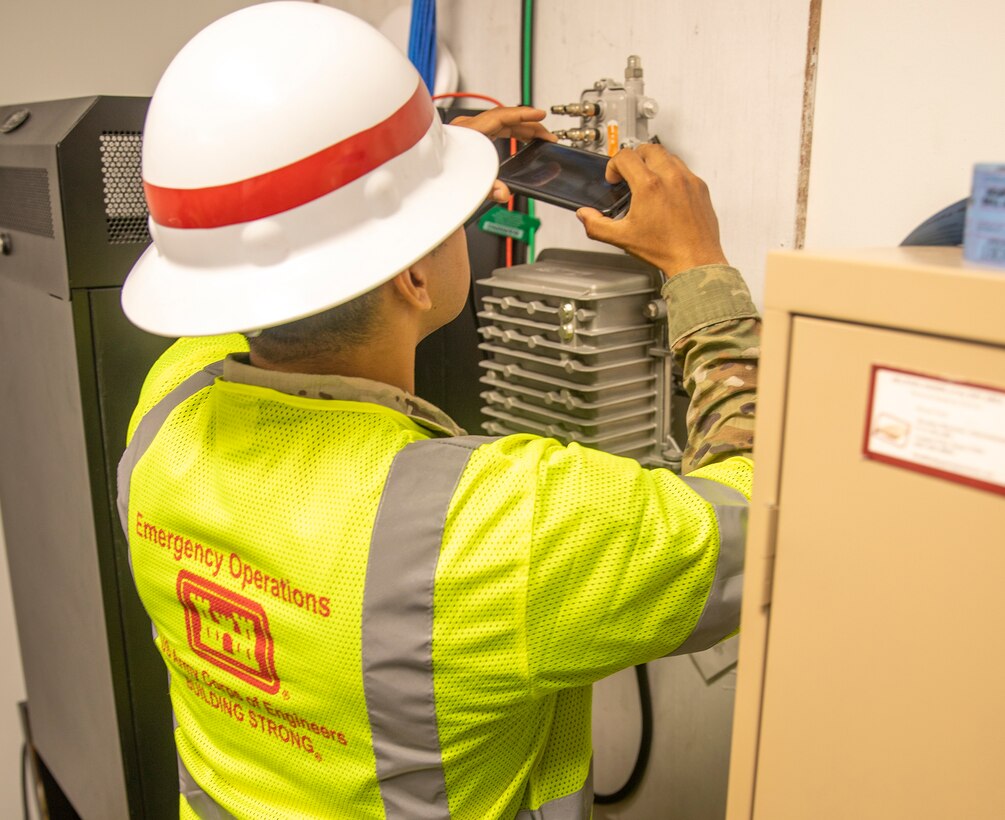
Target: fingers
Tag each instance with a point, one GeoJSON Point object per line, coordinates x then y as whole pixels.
{"type": "Point", "coordinates": [531, 131]}
{"type": "Point", "coordinates": [500, 192]}
{"type": "Point", "coordinates": [637, 165]}
{"type": "Point", "coordinates": [598, 226]}
{"type": "Point", "coordinates": [515, 115]}
{"type": "Point", "coordinates": [671, 222]}
{"type": "Point", "coordinates": [523, 123]}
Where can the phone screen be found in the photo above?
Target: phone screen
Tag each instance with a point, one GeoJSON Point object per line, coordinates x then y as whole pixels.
{"type": "Point", "coordinates": [564, 176]}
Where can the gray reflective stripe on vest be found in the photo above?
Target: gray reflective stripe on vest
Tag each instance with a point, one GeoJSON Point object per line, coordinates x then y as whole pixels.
{"type": "Point", "coordinates": [397, 633]}
{"type": "Point", "coordinates": [575, 806]}
{"type": "Point", "coordinates": [201, 803]}
{"type": "Point", "coordinates": [721, 615]}
{"type": "Point", "coordinates": [397, 626]}
{"type": "Point", "coordinates": [203, 806]}
{"type": "Point", "coordinates": [148, 428]}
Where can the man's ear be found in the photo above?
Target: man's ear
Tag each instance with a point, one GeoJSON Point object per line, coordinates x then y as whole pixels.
{"type": "Point", "coordinates": [412, 285]}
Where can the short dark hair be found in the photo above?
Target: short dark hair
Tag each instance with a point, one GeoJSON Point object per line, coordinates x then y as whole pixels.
{"type": "Point", "coordinates": [344, 326]}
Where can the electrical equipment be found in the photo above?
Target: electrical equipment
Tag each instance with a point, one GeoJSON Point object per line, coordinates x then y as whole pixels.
{"type": "Point", "coordinates": [612, 115]}
{"type": "Point", "coordinates": [73, 212]}
{"type": "Point", "coordinates": [576, 349]}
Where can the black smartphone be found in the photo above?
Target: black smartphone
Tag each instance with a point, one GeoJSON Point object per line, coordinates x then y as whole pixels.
{"type": "Point", "coordinates": [569, 177]}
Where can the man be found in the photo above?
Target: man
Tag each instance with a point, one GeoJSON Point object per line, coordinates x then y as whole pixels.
{"type": "Point", "coordinates": [364, 612]}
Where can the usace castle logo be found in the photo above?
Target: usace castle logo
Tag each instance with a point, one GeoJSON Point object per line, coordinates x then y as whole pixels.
{"type": "Point", "coordinates": [229, 631]}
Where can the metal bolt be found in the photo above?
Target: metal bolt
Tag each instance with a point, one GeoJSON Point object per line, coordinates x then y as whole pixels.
{"type": "Point", "coordinates": [5, 244]}
{"type": "Point", "coordinates": [656, 309]}
{"type": "Point", "coordinates": [634, 68]}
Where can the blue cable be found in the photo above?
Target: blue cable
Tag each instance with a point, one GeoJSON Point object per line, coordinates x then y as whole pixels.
{"type": "Point", "coordinates": [422, 40]}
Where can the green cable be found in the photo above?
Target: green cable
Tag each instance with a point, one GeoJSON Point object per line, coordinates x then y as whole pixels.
{"type": "Point", "coordinates": [528, 32]}
{"type": "Point", "coordinates": [531, 252]}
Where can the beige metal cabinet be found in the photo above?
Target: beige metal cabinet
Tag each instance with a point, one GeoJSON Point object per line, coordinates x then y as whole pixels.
{"type": "Point", "coordinates": [872, 676]}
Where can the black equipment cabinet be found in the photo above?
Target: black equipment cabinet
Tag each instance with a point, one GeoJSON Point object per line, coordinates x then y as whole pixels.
{"type": "Point", "coordinates": [72, 222]}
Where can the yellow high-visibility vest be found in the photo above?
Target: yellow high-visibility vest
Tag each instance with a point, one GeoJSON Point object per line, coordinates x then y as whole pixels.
{"type": "Point", "coordinates": [362, 620]}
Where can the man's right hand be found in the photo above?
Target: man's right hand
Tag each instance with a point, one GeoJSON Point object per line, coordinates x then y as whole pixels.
{"type": "Point", "coordinates": [671, 223]}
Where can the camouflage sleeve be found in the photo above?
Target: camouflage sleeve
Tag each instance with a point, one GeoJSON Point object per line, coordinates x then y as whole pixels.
{"type": "Point", "coordinates": [715, 340]}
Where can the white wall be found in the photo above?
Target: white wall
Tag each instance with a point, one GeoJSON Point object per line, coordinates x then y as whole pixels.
{"type": "Point", "coordinates": [909, 97]}
{"type": "Point", "coordinates": [73, 48]}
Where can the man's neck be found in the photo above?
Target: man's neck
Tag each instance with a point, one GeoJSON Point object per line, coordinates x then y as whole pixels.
{"type": "Point", "coordinates": [379, 362]}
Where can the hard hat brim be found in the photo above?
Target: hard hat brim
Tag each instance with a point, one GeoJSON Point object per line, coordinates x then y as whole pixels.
{"type": "Point", "coordinates": [287, 275]}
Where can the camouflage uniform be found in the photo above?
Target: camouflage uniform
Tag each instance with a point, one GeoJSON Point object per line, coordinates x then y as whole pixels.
{"type": "Point", "coordinates": [715, 340]}
{"type": "Point", "coordinates": [342, 388]}
{"type": "Point", "coordinates": [714, 334]}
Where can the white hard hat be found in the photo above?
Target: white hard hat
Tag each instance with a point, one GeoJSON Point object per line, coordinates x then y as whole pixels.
{"type": "Point", "coordinates": [292, 160]}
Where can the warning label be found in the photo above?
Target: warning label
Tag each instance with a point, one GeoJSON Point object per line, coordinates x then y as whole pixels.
{"type": "Point", "coordinates": [937, 426]}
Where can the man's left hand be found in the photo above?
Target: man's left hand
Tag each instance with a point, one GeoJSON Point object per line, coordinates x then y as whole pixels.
{"type": "Point", "coordinates": [521, 122]}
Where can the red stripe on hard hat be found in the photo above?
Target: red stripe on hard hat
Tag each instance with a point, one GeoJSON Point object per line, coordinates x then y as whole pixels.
{"type": "Point", "coordinates": [296, 184]}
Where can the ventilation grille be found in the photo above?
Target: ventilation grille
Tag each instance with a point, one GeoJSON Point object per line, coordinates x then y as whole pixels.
{"type": "Point", "coordinates": [24, 201]}
{"type": "Point", "coordinates": [125, 206]}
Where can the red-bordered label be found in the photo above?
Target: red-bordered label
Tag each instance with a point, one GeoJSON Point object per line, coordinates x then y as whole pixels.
{"type": "Point", "coordinates": [949, 429]}
{"type": "Point", "coordinates": [229, 631]}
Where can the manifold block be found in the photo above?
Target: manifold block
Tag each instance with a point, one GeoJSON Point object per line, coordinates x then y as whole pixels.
{"type": "Point", "coordinates": [575, 349]}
